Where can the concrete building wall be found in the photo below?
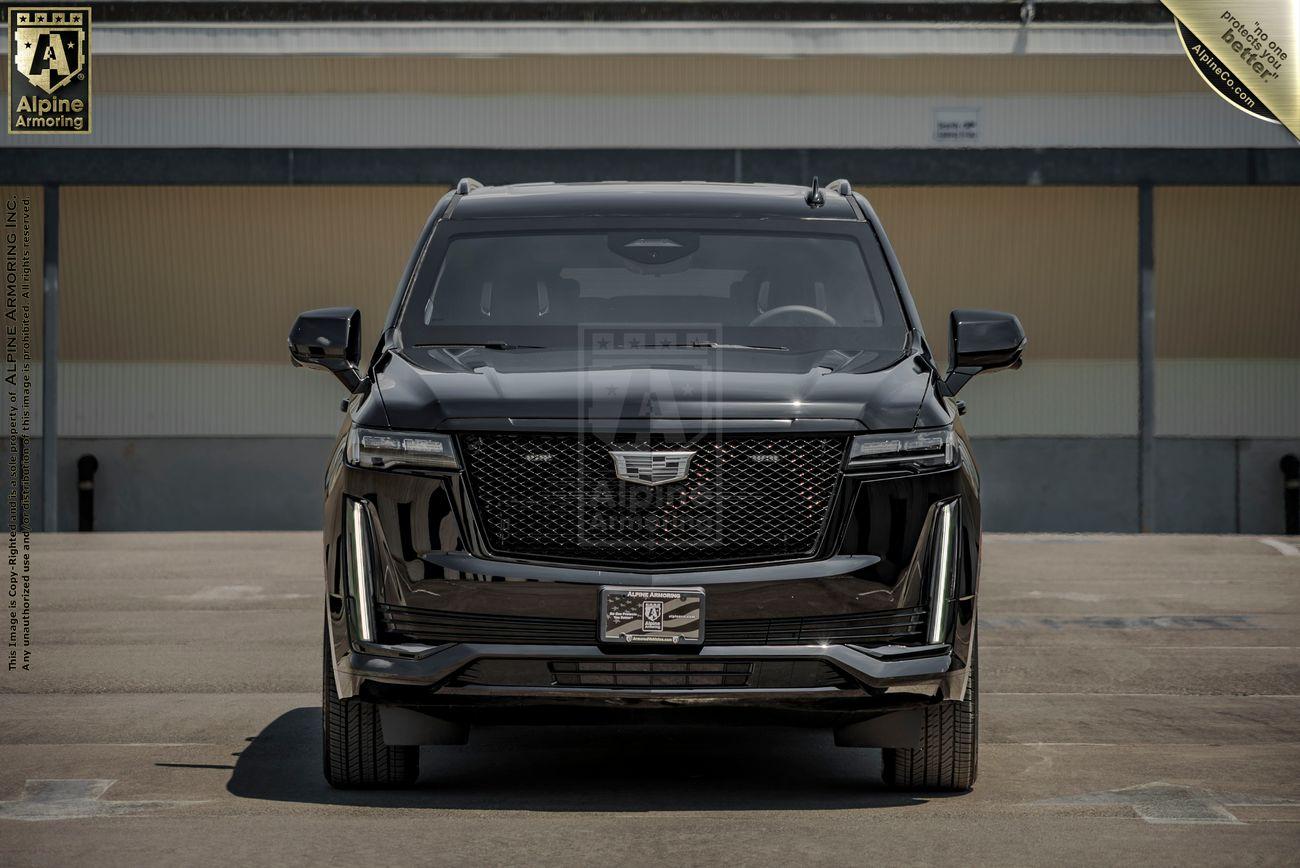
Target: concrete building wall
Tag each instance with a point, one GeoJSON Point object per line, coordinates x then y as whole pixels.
{"type": "Point", "coordinates": [876, 92]}
{"type": "Point", "coordinates": [1229, 272]}
{"type": "Point", "coordinates": [665, 121]}
{"type": "Point", "coordinates": [628, 75]}
{"type": "Point", "coordinates": [176, 302]}
{"type": "Point", "coordinates": [217, 274]}
{"type": "Point", "coordinates": [1203, 485]}
{"type": "Point", "coordinates": [1031, 484]}
{"type": "Point", "coordinates": [1063, 259]}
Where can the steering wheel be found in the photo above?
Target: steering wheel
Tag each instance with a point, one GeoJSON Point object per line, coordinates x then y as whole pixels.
{"type": "Point", "coordinates": [797, 309]}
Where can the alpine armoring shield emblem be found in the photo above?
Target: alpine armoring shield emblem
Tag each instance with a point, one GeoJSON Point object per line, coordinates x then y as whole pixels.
{"type": "Point", "coordinates": [50, 47]}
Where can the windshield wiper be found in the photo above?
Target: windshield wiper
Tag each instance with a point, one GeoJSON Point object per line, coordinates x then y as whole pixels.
{"type": "Point", "coordinates": [487, 345]}
{"type": "Point", "coordinates": [714, 345]}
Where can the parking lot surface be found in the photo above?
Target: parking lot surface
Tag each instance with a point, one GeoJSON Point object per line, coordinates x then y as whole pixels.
{"type": "Point", "coordinates": [1140, 704]}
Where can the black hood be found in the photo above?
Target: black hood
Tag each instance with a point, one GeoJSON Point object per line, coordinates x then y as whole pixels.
{"type": "Point", "coordinates": [429, 389]}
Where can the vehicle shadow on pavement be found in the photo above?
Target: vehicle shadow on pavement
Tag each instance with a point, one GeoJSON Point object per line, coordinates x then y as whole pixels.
{"type": "Point", "coordinates": [610, 768]}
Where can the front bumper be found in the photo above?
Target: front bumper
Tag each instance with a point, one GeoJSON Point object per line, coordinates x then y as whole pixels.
{"type": "Point", "coordinates": [445, 607]}
{"type": "Point", "coordinates": [432, 678]}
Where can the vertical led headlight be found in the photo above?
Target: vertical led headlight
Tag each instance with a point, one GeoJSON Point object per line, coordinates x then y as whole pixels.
{"type": "Point", "coordinates": [943, 569]}
{"type": "Point", "coordinates": [359, 557]}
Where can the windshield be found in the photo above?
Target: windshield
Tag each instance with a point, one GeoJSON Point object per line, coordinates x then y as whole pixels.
{"type": "Point", "coordinates": [652, 287]}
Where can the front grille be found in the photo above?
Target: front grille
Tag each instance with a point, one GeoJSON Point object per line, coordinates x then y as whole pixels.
{"type": "Point", "coordinates": [893, 627]}
{"type": "Point", "coordinates": [896, 627]}
{"type": "Point", "coordinates": [744, 498]}
{"type": "Point", "coordinates": [437, 627]}
{"type": "Point", "coordinates": [642, 674]}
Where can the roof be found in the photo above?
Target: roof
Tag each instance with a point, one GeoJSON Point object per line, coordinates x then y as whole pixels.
{"type": "Point", "coordinates": [651, 199]}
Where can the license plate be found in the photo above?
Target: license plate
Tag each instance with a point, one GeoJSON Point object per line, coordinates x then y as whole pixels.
{"type": "Point", "coordinates": [668, 616]}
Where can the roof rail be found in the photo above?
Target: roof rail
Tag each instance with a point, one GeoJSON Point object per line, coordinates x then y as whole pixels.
{"type": "Point", "coordinates": [466, 185]}
{"type": "Point", "coordinates": [841, 186]}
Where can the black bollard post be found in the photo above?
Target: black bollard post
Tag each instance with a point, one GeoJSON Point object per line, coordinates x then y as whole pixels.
{"type": "Point", "coordinates": [86, 467]}
{"type": "Point", "coordinates": [1291, 492]}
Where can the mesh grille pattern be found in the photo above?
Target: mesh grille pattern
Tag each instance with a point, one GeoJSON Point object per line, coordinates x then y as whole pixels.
{"type": "Point", "coordinates": [642, 674]}
{"type": "Point", "coordinates": [899, 626]}
{"type": "Point", "coordinates": [556, 496]}
{"type": "Point", "coordinates": [890, 627]}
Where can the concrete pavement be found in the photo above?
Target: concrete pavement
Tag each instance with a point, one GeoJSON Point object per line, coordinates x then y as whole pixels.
{"type": "Point", "coordinates": [1140, 704]}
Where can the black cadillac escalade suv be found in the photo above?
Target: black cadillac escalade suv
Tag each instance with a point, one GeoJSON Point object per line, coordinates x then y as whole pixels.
{"type": "Point", "coordinates": [634, 450]}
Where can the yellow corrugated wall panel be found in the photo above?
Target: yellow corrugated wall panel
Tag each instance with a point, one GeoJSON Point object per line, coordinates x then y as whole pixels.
{"type": "Point", "coordinates": [1063, 259]}
{"type": "Point", "coordinates": [173, 281]}
{"type": "Point", "coordinates": [219, 273]}
{"type": "Point", "coordinates": [1228, 272]}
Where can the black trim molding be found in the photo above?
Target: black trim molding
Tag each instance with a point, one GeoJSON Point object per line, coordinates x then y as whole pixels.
{"type": "Point", "coordinates": [442, 166]}
{"type": "Point", "coordinates": [207, 11]}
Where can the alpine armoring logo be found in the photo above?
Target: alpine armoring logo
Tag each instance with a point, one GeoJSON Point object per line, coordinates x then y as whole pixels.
{"type": "Point", "coordinates": [49, 73]}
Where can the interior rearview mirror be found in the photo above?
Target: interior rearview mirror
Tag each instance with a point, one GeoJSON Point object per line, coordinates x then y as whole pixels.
{"type": "Point", "coordinates": [329, 338]}
{"type": "Point", "coordinates": [981, 340]}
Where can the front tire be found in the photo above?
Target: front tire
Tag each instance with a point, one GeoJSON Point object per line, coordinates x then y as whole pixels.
{"type": "Point", "coordinates": [947, 759]}
{"type": "Point", "coordinates": [352, 740]}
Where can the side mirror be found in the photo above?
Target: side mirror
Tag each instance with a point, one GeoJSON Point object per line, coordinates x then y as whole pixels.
{"type": "Point", "coordinates": [981, 340]}
{"type": "Point", "coordinates": [329, 338]}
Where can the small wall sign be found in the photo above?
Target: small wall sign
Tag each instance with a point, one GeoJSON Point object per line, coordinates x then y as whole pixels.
{"type": "Point", "coordinates": [957, 125]}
